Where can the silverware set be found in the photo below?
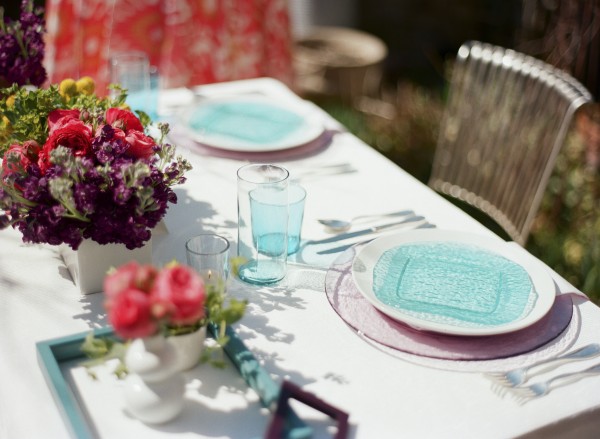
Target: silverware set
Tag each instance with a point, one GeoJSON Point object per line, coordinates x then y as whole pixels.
{"type": "Point", "coordinates": [407, 221]}
{"type": "Point", "coordinates": [333, 225]}
{"type": "Point", "coordinates": [413, 222]}
{"type": "Point", "coordinates": [516, 382]}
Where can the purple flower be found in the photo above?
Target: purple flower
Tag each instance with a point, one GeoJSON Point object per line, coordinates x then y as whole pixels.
{"type": "Point", "coordinates": [55, 214]}
{"type": "Point", "coordinates": [22, 47]}
{"type": "Point", "coordinates": [85, 195]}
{"type": "Point", "coordinates": [122, 194]}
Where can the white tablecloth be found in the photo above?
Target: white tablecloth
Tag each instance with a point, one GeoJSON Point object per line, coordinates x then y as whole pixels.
{"type": "Point", "coordinates": [291, 328]}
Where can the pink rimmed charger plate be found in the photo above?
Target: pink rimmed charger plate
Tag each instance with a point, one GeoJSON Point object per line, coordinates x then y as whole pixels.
{"type": "Point", "coordinates": [180, 137]}
{"type": "Point", "coordinates": [351, 305]}
{"type": "Point", "coordinates": [453, 282]}
{"type": "Point", "coordinates": [253, 123]}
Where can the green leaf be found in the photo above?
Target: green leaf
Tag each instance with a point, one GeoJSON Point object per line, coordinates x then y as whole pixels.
{"type": "Point", "coordinates": [101, 350]}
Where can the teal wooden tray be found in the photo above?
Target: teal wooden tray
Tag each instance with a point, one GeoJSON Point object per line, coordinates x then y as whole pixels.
{"type": "Point", "coordinates": [52, 353]}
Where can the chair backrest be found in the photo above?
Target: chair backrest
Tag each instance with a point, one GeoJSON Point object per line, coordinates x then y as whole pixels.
{"type": "Point", "coordinates": [505, 121]}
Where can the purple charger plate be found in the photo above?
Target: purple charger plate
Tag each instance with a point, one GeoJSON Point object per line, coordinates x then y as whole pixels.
{"type": "Point", "coordinates": [180, 137]}
{"type": "Point", "coordinates": [356, 311]}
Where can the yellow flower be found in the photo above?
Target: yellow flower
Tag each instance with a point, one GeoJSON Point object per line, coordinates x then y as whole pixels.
{"type": "Point", "coordinates": [67, 87]}
{"type": "Point", "coordinates": [5, 128]}
{"type": "Point", "coordinates": [10, 101]}
{"type": "Point", "coordinates": [86, 85]}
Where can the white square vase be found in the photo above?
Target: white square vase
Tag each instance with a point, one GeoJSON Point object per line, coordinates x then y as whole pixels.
{"type": "Point", "coordinates": [90, 263]}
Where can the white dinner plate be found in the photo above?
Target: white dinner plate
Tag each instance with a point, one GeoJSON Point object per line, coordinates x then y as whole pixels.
{"type": "Point", "coordinates": [253, 123]}
{"type": "Point", "coordinates": [453, 282]}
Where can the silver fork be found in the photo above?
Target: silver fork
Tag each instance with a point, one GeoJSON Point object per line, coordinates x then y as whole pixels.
{"type": "Point", "coordinates": [525, 394]}
{"type": "Point", "coordinates": [519, 376]}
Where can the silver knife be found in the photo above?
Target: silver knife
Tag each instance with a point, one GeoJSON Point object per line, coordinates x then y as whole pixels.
{"type": "Point", "coordinates": [375, 229]}
{"type": "Point", "coordinates": [343, 247]}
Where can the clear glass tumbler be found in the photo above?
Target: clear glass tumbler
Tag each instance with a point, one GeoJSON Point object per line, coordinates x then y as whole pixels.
{"type": "Point", "coordinates": [131, 70]}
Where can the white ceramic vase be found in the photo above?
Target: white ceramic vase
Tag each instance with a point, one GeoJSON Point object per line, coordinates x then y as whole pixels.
{"type": "Point", "coordinates": [188, 348]}
{"type": "Point", "coordinates": [90, 263]}
{"type": "Point", "coordinates": [154, 389]}
{"type": "Point", "coordinates": [94, 261]}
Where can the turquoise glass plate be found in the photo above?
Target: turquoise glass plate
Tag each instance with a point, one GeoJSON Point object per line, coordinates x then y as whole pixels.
{"type": "Point", "coordinates": [253, 124]}
{"type": "Point", "coordinates": [453, 282]}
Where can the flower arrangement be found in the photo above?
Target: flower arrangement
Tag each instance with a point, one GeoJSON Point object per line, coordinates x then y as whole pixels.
{"type": "Point", "coordinates": [22, 47]}
{"type": "Point", "coordinates": [143, 301]}
{"type": "Point", "coordinates": [78, 167]}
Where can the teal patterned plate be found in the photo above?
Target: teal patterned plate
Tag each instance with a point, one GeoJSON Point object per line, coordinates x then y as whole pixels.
{"type": "Point", "coordinates": [253, 123]}
{"type": "Point", "coordinates": [453, 282]}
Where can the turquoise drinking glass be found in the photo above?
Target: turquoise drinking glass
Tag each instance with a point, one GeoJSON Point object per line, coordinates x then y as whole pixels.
{"type": "Point", "coordinates": [269, 217]}
{"type": "Point", "coordinates": [262, 223]}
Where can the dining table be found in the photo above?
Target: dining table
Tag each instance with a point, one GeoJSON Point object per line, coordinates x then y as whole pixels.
{"type": "Point", "coordinates": [312, 328]}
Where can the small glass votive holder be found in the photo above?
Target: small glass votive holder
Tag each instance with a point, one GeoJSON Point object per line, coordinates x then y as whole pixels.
{"type": "Point", "coordinates": [296, 201]}
{"type": "Point", "coordinates": [208, 255]}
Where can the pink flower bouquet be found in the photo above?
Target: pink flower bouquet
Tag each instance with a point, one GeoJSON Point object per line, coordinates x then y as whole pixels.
{"type": "Point", "coordinates": [78, 167]}
{"type": "Point", "coordinates": [141, 300]}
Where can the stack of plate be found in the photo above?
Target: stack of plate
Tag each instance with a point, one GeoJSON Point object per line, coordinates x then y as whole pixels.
{"type": "Point", "coordinates": [253, 124]}
{"type": "Point", "coordinates": [453, 283]}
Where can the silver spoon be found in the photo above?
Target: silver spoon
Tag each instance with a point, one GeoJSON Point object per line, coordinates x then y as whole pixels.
{"type": "Point", "coordinates": [339, 225]}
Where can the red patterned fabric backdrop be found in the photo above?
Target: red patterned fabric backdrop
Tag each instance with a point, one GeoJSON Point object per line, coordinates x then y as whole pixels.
{"type": "Point", "coordinates": [190, 41]}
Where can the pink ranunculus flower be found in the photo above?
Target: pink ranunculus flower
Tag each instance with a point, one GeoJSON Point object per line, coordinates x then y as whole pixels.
{"type": "Point", "coordinates": [32, 149]}
{"type": "Point", "coordinates": [70, 133]}
{"type": "Point", "coordinates": [130, 275]}
{"type": "Point", "coordinates": [118, 133]}
{"type": "Point", "coordinates": [140, 145]}
{"type": "Point", "coordinates": [129, 312]}
{"type": "Point", "coordinates": [123, 119]}
{"type": "Point", "coordinates": [21, 156]}
{"type": "Point", "coordinates": [58, 117]}
{"type": "Point", "coordinates": [179, 293]}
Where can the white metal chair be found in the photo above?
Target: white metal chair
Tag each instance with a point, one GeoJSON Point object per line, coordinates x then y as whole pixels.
{"type": "Point", "coordinates": [505, 121]}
